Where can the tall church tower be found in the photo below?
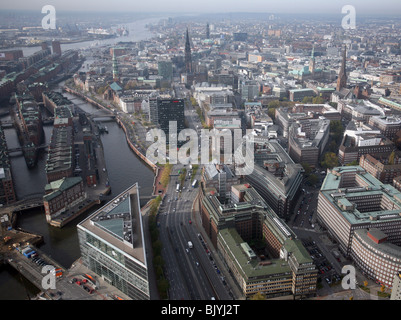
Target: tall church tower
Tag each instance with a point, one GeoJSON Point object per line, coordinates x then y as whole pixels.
{"type": "Point", "coordinates": [188, 59]}
{"type": "Point", "coordinates": [115, 68]}
{"type": "Point", "coordinates": [312, 61]}
{"type": "Point", "coordinates": [342, 75]}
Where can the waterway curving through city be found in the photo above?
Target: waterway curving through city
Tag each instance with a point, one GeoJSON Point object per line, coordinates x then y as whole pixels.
{"type": "Point", "coordinates": [124, 169]}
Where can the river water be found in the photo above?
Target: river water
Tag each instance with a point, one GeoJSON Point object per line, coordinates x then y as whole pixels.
{"type": "Point", "coordinates": [124, 169]}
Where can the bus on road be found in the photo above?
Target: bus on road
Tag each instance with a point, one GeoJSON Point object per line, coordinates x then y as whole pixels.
{"type": "Point", "coordinates": [178, 187]}
{"type": "Point", "coordinates": [194, 183]}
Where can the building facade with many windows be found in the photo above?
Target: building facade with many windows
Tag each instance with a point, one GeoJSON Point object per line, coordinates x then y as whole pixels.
{"type": "Point", "coordinates": [280, 267]}
{"type": "Point", "coordinates": [375, 256]}
{"type": "Point", "coordinates": [351, 199]}
{"type": "Point", "coordinates": [112, 244]}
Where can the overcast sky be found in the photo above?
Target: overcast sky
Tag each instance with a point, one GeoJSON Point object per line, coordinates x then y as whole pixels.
{"type": "Point", "coordinates": [211, 6]}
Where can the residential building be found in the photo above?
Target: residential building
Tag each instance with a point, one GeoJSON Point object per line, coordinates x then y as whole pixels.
{"type": "Point", "coordinates": [383, 166]}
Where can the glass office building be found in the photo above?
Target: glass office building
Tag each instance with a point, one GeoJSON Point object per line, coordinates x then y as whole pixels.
{"type": "Point", "coordinates": [112, 244]}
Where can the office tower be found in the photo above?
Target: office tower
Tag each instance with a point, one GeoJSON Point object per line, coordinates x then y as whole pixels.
{"type": "Point", "coordinates": [207, 31]}
{"type": "Point", "coordinates": [165, 69]}
{"type": "Point", "coordinates": [188, 59]}
{"type": "Point", "coordinates": [342, 76]}
{"type": "Point", "coordinates": [275, 176]}
{"type": "Point", "coordinates": [171, 110]}
{"type": "Point", "coordinates": [244, 217]}
{"type": "Point", "coordinates": [112, 244]}
{"type": "Point", "coordinates": [56, 47]}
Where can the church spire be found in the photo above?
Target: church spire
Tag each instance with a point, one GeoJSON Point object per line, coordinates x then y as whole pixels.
{"type": "Point", "coordinates": [188, 59]}
{"type": "Point", "coordinates": [342, 75]}
{"type": "Point", "coordinates": [115, 68]}
{"type": "Point", "coordinates": [312, 61]}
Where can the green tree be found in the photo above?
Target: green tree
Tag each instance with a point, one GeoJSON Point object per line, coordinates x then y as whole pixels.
{"type": "Point", "coordinates": [391, 158]}
{"type": "Point", "coordinates": [336, 131]}
{"type": "Point", "coordinates": [313, 179]}
{"type": "Point", "coordinates": [273, 104]}
{"type": "Point", "coordinates": [307, 100]}
{"type": "Point", "coordinates": [307, 168]}
{"type": "Point", "coordinates": [317, 100]}
{"type": "Point", "coordinates": [271, 112]}
{"type": "Point", "coordinates": [330, 160]}
{"type": "Point", "coordinates": [257, 296]}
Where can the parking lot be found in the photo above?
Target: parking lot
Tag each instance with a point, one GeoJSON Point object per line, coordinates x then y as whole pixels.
{"type": "Point", "coordinates": [326, 272]}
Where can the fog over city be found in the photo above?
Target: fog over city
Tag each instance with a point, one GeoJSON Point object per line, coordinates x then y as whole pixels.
{"type": "Point", "coordinates": [210, 6]}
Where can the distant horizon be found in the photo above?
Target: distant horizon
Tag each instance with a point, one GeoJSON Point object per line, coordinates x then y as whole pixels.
{"type": "Point", "coordinates": [71, 11]}
{"type": "Point", "coordinates": [290, 7]}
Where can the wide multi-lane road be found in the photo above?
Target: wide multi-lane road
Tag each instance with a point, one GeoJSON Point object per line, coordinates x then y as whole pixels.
{"type": "Point", "coordinates": [191, 270]}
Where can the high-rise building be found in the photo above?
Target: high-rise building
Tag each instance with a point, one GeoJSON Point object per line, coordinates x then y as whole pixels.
{"type": "Point", "coordinates": [342, 75]}
{"type": "Point", "coordinates": [171, 110]}
{"type": "Point", "coordinates": [165, 69]}
{"type": "Point", "coordinates": [112, 244]}
{"type": "Point", "coordinates": [207, 31]}
{"type": "Point", "coordinates": [56, 47]}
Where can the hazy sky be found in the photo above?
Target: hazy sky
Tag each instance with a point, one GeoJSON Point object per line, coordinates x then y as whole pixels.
{"type": "Point", "coordinates": [212, 6]}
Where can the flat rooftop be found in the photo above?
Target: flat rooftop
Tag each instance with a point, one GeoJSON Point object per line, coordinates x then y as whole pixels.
{"type": "Point", "coordinates": [119, 223]}
{"type": "Point", "coordinates": [344, 186]}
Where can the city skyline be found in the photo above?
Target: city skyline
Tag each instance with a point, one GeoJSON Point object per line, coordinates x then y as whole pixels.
{"type": "Point", "coordinates": [208, 6]}
{"type": "Point", "coordinates": [212, 151]}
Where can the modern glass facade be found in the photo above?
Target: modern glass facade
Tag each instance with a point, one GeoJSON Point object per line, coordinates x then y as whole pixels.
{"type": "Point", "coordinates": [115, 267]}
{"type": "Point", "coordinates": [112, 245]}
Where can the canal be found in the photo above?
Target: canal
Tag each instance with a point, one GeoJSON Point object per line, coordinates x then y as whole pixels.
{"type": "Point", "coordinates": [124, 169]}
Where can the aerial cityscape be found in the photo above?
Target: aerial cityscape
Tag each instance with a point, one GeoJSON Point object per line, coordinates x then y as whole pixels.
{"type": "Point", "coordinates": [200, 151]}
